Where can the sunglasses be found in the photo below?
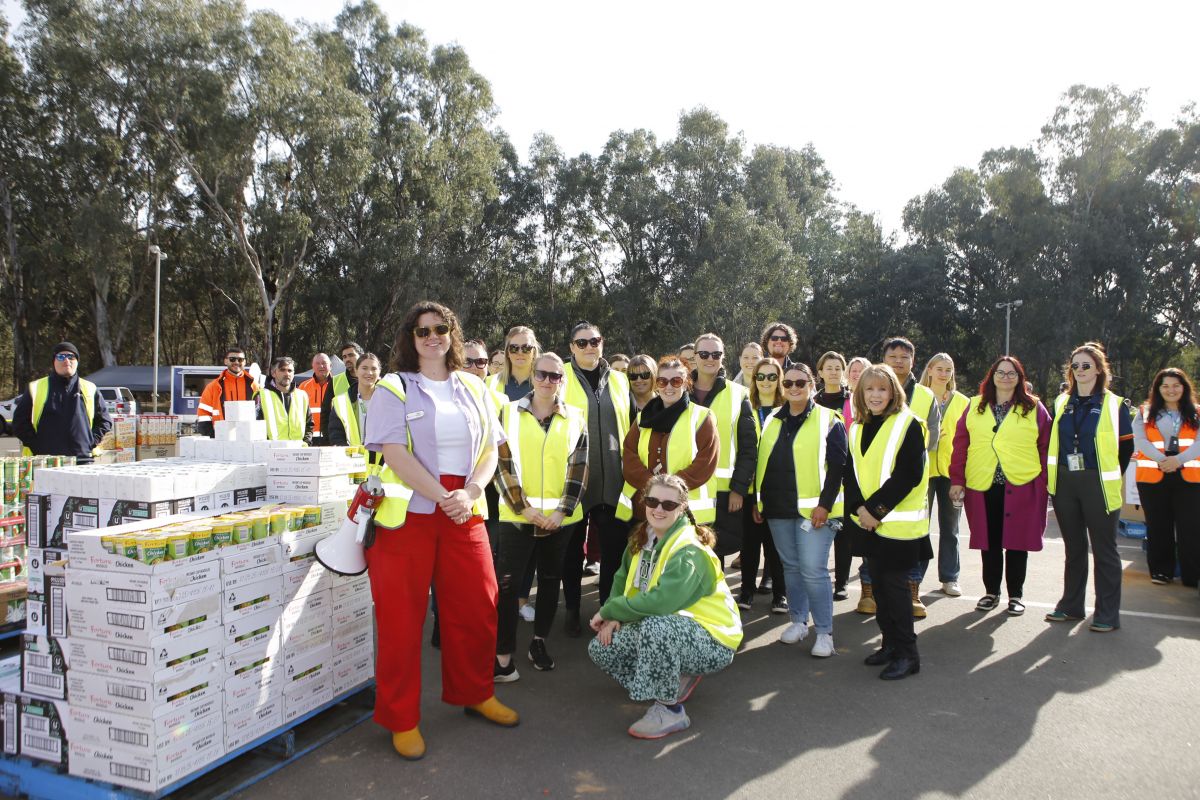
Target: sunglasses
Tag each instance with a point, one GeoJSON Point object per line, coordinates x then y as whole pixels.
{"type": "Point", "coordinates": [664, 382]}
{"type": "Point", "coordinates": [478, 363]}
{"type": "Point", "coordinates": [235, 359]}
{"type": "Point", "coordinates": [775, 337]}
{"type": "Point", "coordinates": [544, 375]}
{"type": "Point", "coordinates": [64, 357]}
{"type": "Point", "coordinates": [595, 341]}
{"type": "Point", "coordinates": [706, 355]}
{"type": "Point", "coordinates": [667, 505]}
{"type": "Point", "coordinates": [770, 376]}
{"type": "Point", "coordinates": [640, 376]}
{"type": "Point", "coordinates": [520, 348]}
{"type": "Point", "coordinates": [1081, 367]}
{"type": "Point", "coordinates": [799, 383]}
{"type": "Point", "coordinates": [424, 332]}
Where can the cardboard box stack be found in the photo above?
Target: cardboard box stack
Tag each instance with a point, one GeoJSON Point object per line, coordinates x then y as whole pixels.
{"type": "Point", "coordinates": [326, 623]}
{"type": "Point", "coordinates": [119, 445]}
{"type": "Point", "coordinates": [156, 436]}
{"type": "Point", "coordinates": [165, 636]}
{"type": "Point", "coordinates": [17, 476]}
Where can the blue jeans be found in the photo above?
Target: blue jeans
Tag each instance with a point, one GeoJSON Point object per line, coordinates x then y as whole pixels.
{"type": "Point", "coordinates": [914, 574]}
{"type": "Point", "coordinates": [948, 517]}
{"type": "Point", "coordinates": [804, 553]}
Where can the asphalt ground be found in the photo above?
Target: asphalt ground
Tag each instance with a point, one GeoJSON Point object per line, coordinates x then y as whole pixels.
{"type": "Point", "coordinates": [1004, 707]}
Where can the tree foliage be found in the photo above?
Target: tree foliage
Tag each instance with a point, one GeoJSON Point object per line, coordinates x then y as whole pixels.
{"type": "Point", "coordinates": [309, 183]}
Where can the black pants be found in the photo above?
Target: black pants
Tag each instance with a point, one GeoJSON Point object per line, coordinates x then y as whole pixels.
{"type": "Point", "coordinates": [613, 535]}
{"type": "Point", "coordinates": [493, 521]}
{"type": "Point", "coordinates": [1172, 508]}
{"type": "Point", "coordinates": [843, 557]}
{"type": "Point", "coordinates": [893, 604]}
{"type": "Point", "coordinates": [756, 538]}
{"type": "Point", "coordinates": [998, 562]}
{"type": "Point", "coordinates": [517, 545]}
{"type": "Point", "coordinates": [1079, 505]}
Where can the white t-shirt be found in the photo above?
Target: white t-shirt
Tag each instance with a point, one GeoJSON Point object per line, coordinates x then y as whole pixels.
{"type": "Point", "coordinates": [454, 448]}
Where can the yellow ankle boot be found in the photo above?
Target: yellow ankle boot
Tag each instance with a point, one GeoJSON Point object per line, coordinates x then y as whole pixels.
{"type": "Point", "coordinates": [866, 603]}
{"type": "Point", "coordinates": [496, 712]}
{"type": "Point", "coordinates": [409, 744]}
{"type": "Point", "coordinates": [918, 607]}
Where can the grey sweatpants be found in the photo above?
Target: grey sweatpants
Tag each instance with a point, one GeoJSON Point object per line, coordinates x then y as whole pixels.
{"type": "Point", "coordinates": [1079, 507]}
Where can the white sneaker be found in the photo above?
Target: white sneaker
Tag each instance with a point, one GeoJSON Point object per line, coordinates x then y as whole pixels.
{"type": "Point", "coordinates": [795, 632]}
{"type": "Point", "coordinates": [527, 612]}
{"type": "Point", "coordinates": [951, 589]}
{"type": "Point", "coordinates": [823, 647]}
{"type": "Point", "coordinates": [659, 721]}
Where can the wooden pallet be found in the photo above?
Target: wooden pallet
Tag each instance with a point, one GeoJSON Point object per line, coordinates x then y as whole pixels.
{"type": "Point", "coordinates": [232, 773]}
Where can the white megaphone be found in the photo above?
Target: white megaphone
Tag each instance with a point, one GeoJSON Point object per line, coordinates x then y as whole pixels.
{"type": "Point", "coordinates": [343, 552]}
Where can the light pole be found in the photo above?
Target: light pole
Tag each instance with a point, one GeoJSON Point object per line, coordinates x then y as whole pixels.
{"type": "Point", "coordinates": [158, 257]}
{"type": "Point", "coordinates": [1008, 308]}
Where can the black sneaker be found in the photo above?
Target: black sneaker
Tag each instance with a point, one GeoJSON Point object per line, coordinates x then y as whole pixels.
{"type": "Point", "coordinates": [840, 593]}
{"type": "Point", "coordinates": [745, 601]}
{"type": "Point", "coordinates": [507, 674]}
{"type": "Point", "coordinates": [538, 655]}
{"type": "Point", "coordinates": [766, 587]}
{"type": "Point", "coordinates": [1159, 579]}
{"type": "Point", "coordinates": [571, 625]}
{"type": "Point", "coordinates": [779, 605]}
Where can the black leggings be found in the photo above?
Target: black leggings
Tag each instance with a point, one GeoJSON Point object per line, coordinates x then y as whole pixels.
{"type": "Point", "coordinates": [997, 562]}
{"type": "Point", "coordinates": [613, 535]}
{"type": "Point", "coordinates": [757, 537]}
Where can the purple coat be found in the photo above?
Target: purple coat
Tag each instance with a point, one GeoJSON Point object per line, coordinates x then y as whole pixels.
{"type": "Point", "coordinates": [1024, 506]}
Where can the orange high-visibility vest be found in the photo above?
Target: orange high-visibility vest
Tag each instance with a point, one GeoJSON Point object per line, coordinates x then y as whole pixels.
{"type": "Point", "coordinates": [1148, 470]}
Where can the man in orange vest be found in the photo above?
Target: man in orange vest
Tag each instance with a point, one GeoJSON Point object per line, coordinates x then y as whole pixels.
{"type": "Point", "coordinates": [234, 384]}
{"type": "Point", "coordinates": [316, 387]}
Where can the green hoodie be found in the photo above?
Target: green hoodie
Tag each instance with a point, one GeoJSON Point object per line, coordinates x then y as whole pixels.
{"type": "Point", "coordinates": [687, 577]}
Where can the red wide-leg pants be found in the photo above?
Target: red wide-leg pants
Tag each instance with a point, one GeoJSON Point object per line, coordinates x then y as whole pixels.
{"type": "Point", "coordinates": [402, 563]}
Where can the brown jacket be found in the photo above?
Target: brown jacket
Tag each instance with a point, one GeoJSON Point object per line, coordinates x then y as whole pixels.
{"type": "Point", "coordinates": [694, 475]}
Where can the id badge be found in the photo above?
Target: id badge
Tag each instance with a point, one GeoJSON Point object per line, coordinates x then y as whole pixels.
{"type": "Point", "coordinates": [1075, 462]}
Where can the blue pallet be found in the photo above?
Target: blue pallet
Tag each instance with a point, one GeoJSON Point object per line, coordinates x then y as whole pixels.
{"type": "Point", "coordinates": [38, 780]}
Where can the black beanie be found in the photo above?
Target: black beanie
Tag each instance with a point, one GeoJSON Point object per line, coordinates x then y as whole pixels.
{"type": "Point", "coordinates": [66, 347]}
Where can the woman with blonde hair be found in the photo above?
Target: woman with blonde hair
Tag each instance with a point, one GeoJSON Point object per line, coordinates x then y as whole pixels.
{"type": "Point", "coordinates": [938, 376]}
{"type": "Point", "coordinates": [885, 488]}
{"type": "Point", "coordinates": [521, 349]}
{"type": "Point", "coordinates": [671, 618]}
{"type": "Point", "coordinates": [1091, 442]}
{"type": "Point", "coordinates": [642, 373]}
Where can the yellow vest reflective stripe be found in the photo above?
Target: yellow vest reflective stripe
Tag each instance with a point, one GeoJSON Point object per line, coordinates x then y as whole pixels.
{"type": "Point", "coordinates": [726, 411]}
{"type": "Point", "coordinates": [1013, 446]}
{"type": "Point", "coordinates": [39, 390]}
{"type": "Point", "coordinates": [681, 451]}
{"type": "Point", "coordinates": [341, 384]}
{"type": "Point", "coordinates": [348, 414]}
{"type": "Point", "coordinates": [284, 423]}
{"type": "Point", "coordinates": [1107, 455]}
{"type": "Point", "coordinates": [539, 459]}
{"type": "Point", "coordinates": [716, 612]}
{"type": "Point", "coordinates": [393, 509]}
{"type": "Point", "coordinates": [811, 440]}
{"type": "Point", "coordinates": [922, 402]}
{"type": "Point", "coordinates": [575, 394]}
{"type": "Point", "coordinates": [945, 446]}
{"type": "Point", "coordinates": [910, 518]}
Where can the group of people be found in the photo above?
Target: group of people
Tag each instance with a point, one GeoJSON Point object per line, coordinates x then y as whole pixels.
{"type": "Point", "coordinates": [499, 469]}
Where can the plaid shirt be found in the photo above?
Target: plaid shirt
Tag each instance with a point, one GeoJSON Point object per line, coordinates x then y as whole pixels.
{"type": "Point", "coordinates": [509, 486]}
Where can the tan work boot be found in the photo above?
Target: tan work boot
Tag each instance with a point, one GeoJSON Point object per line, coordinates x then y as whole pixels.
{"type": "Point", "coordinates": [919, 611]}
{"type": "Point", "coordinates": [495, 712]}
{"type": "Point", "coordinates": [866, 603]}
{"type": "Point", "coordinates": [409, 744]}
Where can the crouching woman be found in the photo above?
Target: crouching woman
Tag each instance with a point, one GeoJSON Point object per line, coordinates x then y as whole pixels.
{"type": "Point", "coordinates": [671, 618]}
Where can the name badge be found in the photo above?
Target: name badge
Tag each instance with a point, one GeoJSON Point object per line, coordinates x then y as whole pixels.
{"type": "Point", "coordinates": [413, 415]}
{"type": "Point", "coordinates": [1075, 462]}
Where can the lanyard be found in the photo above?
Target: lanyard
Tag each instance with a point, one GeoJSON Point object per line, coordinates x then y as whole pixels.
{"type": "Point", "coordinates": [1077, 421]}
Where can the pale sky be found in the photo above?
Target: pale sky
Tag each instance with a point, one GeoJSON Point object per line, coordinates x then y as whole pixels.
{"type": "Point", "coordinates": [893, 95]}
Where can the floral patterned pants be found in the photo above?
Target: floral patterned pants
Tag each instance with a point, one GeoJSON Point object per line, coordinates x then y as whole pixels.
{"type": "Point", "coordinates": [648, 657]}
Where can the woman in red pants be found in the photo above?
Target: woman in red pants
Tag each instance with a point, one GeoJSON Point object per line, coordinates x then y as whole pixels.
{"type": "Point", "coordinates": [438, 437]}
